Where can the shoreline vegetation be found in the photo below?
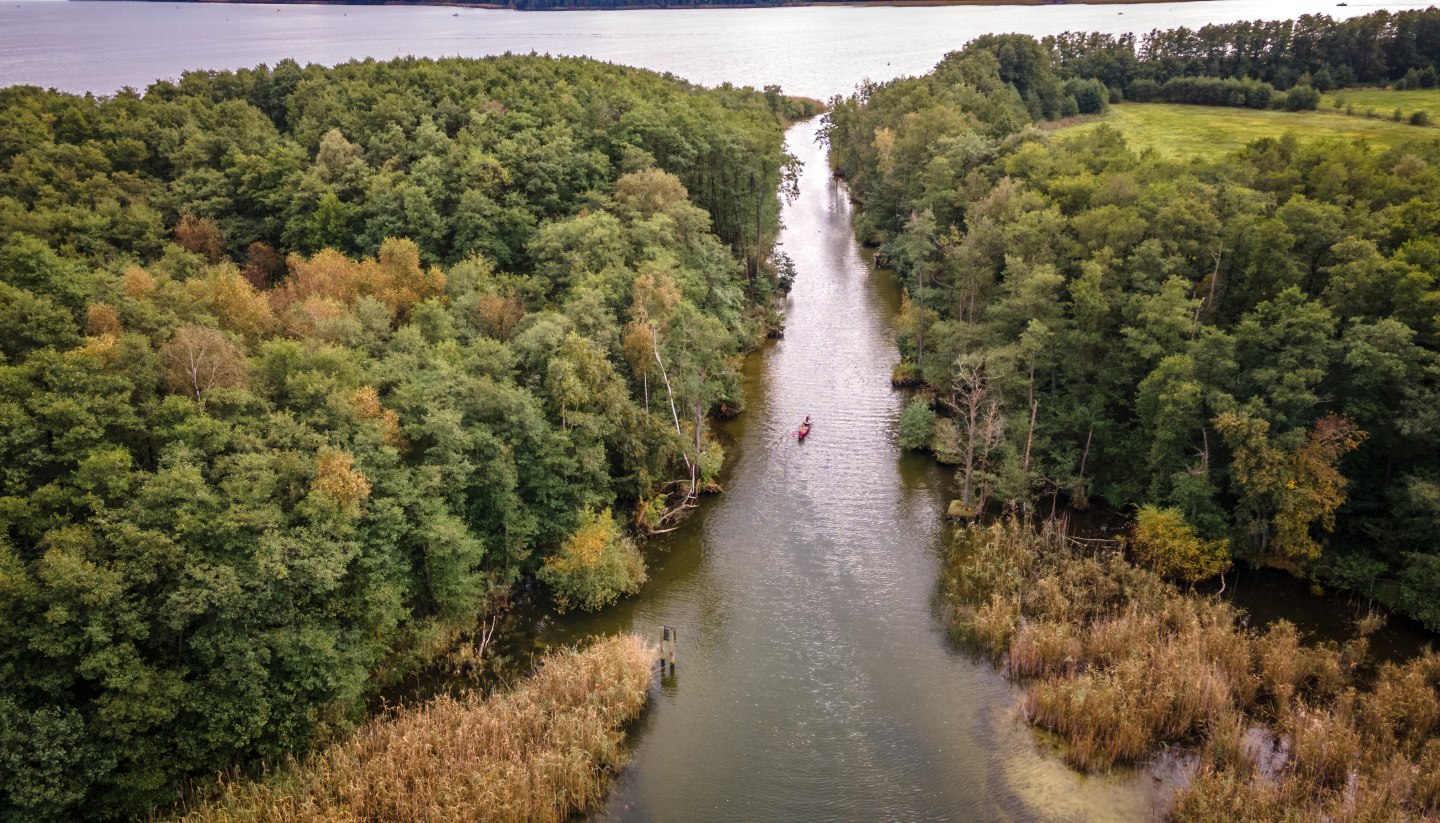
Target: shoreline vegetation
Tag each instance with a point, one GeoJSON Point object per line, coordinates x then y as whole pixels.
{"type": "Point", "coordinates": [633, 5]}
{"type": "Point", "coordinates": [1115, 662]}
{"type": "Point", "coordinates": [1242, 340]}
{"type": "Point", "coordinates": [542, 751]}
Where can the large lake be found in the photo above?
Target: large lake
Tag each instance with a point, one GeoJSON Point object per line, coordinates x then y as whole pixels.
{"type": "Point", "coordinates": [102, 47]}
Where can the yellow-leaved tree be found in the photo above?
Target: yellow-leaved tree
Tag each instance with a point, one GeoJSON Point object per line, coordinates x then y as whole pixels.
{"type": "Point", "coordinates": [1290, 489]}
{"type": "Point", "coordinates": [1165, 543]}
{"type": "Point", "coordinates": [595, 566]}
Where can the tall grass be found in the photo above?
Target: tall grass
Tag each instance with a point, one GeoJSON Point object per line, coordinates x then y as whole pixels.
{"type": "Point", "coordinates": [1116, 661]}
{"type": "Point", "coordinates": [540, 752]}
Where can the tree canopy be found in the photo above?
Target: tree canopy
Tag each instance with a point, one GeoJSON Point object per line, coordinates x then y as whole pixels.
{"type": "Point", "coordinates": [1252, 343]}
{"type": "Point", "coordinates": [304, 367]}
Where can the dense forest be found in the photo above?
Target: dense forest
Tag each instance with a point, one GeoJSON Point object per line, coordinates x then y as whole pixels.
{"type": "Point", "coordinates": [1249, 348]}
{"type": "Point", "coordinates": [1383, 47]}
{"type": "Point", "coordinates": [304, 368]}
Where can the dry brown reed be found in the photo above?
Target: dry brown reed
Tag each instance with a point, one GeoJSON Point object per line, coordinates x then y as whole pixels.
{"type": "Point", "coordinates": [540, 752]}
{"type": "Point", "coordinates": [1116, 661]}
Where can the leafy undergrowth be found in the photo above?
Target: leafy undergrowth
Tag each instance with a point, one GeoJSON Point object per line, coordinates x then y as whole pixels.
{"type": "Point", "coordinates": [1116, 662]}
{"type": "Point", "coordinates": [540, 752]}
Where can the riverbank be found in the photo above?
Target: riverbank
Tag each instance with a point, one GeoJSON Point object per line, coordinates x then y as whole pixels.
{"type": "Point", "coordinates": [1116, 662]}
{"type": "Point", "coordinates": [543, 751]}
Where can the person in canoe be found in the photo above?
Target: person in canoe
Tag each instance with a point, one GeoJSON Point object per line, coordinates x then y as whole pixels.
{"type": "Point", "coordinates": [804, 429]}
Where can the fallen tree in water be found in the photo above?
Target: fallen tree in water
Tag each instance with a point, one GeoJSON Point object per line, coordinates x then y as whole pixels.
{"type": "Point", "coordinates": [540, 752]}
{"type": "Point", "coordinates": [1116, 662]}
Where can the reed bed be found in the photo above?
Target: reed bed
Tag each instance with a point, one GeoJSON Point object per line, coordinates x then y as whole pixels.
{"type": "Point", "coordinates": [540, 752]}
{"type": "Point", "coordinates": [1116, 661]}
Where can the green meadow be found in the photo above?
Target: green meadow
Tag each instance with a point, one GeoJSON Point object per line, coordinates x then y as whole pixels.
{"type": "Point", "coordinates": [1175, 130]}
{"type": "Point", "coordinates": [1384, 102]}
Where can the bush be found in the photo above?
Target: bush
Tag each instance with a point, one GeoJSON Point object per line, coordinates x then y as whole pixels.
{"type": "Point", "coordinates": [1420, 118]}
{"type": "Point", "coordinates": [595, 566]}
{"type": "Point", "coordinates": [1167, 545]}
{"type": "Point", "coordinates": [1091, 96]}
{"type": "Point", "coordinates": [712, 460]}
{"type": "Point", "coordinates": [1302, 98]}
{"type": "Point", "coordinates": [917, 423]}
{"type": "Point", "coordinates": [1214, 91]}
{"type": "Point", "coordinates": [1143, 90]}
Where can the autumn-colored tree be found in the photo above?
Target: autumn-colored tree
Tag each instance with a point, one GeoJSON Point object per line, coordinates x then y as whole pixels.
{"type": "Point", "coordinates": [655, 295]}
{"type": "Point", "coordinates": [1290, 489]}
{"type": "Point", "coordinates": [198, 359]}
{"type": "Point", "coordinates": [395, 277]}
{"type": "Point", "coordinates": [638, 346]}
{"type": "Point", "coordinates": [1317, 488]}
{"type": "Point", "coordinates": [326, 274]}
{"type": "Point", "coordinates": [403, 282]}
{"type": "Point", "coordinates": [366, 401]}
{"type": "Point", "coordinates": [337, 480]}
{"type": "Point", "coordinates": [595, 566]}
{"type": "Point", "coordinates": [102, 320]}
{"type": "Point", "coordinates": [499, 315]}
{"type": "Point", "coordinates": [201, 236]}
{"type": "Point", "coordinates": [263, 265]}
{"type": "Point", "coordinates": [235, 303]}
{"type": "Point", "coordinates": [136, 283]}
{"type": "Point", "coordinates": [1166, 544]}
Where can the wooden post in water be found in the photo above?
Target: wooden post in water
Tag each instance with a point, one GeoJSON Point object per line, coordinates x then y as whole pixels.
{"type": "Point", "coordinates": [667, 646]}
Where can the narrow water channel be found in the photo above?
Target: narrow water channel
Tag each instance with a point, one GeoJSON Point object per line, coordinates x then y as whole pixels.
{"type": "Point", "coordinates": [813, 678]}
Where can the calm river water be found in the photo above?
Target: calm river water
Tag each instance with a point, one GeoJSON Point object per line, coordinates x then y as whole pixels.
{"type": "Point", "coordinates": [814, 680]}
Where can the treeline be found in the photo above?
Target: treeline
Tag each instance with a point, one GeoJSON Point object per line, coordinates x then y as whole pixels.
{"type": "Point", "coordinates": [1379, 48]}
{"type": "Point", "coordinates": [1251, 345]}
{"type": "Point", "coordinates": [303, 368]}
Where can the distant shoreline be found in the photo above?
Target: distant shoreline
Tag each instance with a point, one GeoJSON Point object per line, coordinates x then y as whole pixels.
{"type": "Point", "coordinates": [622, 6]}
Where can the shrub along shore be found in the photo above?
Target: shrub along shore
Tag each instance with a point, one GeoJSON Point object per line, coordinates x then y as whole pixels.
{"type": "Point", "coordinates": [1117, 662]}
{"type": "Point", "coordinates": [540, 752]}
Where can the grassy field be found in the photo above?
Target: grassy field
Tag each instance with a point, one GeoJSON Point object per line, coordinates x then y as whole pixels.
{"type": "Point", "coordinates": [1205, 131]}
{"type": "Point", "coordinates": [1385, 102]}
